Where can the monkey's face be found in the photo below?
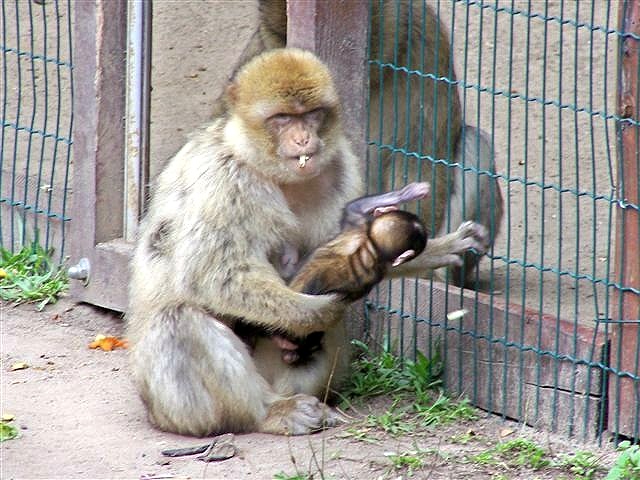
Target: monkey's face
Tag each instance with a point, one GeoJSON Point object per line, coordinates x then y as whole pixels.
{"type": "Point", "coordinates": [289, 110]}
{"type": "Point", "coordinates": [297, 142]}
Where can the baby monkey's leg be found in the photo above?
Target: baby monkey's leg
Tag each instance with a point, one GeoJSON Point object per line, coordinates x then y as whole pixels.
{"type": "Point", "coordinates": [357, 211]}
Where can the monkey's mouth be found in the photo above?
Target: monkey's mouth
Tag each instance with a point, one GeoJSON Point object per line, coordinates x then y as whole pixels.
{"type": "Point", "coordinates": [302, 161]}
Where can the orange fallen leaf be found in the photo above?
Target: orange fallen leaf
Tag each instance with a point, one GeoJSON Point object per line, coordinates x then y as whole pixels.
{"type": "Point", "coordinates": [108, 343]}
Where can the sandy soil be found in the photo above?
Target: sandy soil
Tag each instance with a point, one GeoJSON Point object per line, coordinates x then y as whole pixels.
{"type": "Point", "coordinates": [79, 417]}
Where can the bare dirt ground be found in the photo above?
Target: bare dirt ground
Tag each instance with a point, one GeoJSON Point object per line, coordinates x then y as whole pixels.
{"type": "Point", "coordinates": [79, 417]}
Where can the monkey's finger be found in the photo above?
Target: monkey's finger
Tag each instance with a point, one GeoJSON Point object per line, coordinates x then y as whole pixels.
{"type": "Point", "coordinates": [380, 210]}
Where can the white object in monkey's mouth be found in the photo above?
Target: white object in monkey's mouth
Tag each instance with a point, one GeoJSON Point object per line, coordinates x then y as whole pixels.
{"type": "Point", "coordinates": [302, 160]}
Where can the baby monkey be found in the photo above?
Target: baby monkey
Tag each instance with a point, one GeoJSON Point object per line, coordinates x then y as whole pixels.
{"type": "Point", "coordinates": [375, 236]}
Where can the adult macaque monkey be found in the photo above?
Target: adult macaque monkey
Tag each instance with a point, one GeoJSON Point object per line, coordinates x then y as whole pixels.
{"type": "Point", "coordinates": [273, 172]}
{"type": "Point", "coordinates": [429, 122]}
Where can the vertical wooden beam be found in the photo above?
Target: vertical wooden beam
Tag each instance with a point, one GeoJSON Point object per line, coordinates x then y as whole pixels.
{"type": "Point", "coordinates": [625, 392]}
{"type": "Point", "coordinates": [336, 31]}
{"type": "Point", "coordinates": [97, 202]}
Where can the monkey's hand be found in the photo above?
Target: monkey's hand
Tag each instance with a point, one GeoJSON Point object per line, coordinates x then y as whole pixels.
{"type": "Point", "coordinates": [289, 261]}
{"type": "Point", "coordinates": [289, 349]}
{"type": "Point", "coordinates": [262, 299]}
{"type": "Point", "coordinates": [446, 251]}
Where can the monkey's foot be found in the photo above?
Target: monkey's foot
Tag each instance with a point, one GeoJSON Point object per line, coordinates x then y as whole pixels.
{"type": "Point", "coordinates": [299, 415]}
{"type": "Point", "coordinates": [448, 250]}
{"type": "Point", "coordinates": [472, 235]}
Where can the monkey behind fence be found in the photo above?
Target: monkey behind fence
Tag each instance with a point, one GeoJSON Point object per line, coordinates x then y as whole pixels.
{"type": "Point", "coordinates": [408, 33]}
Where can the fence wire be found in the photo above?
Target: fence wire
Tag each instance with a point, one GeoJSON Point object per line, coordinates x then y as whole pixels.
{"type": "Point", "coordinates": [540, 78]}
{"type": "Point", "coordinates": [36, 97]}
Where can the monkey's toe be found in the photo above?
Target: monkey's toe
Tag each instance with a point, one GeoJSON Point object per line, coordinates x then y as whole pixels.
{"type": "Point", "coordinates": [472, 235]}
{"type": "Point", "coordinates": [299, 415]}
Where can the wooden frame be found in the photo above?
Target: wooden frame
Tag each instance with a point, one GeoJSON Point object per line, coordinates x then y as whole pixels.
{"type": "Point", "coordinates": [98, 205]}
{"type": "Point", "coordinates": [101, 210]}
{"type": "Point", "coordinates": [337, 32]}
{"type": "Point", "coordinates": [625, 342]}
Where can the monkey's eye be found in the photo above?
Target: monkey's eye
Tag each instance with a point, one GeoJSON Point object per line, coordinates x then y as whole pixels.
{"type": "Point", "coordinates": [280, 118]}
{"type": "Point", "coordinates": [315, 116]}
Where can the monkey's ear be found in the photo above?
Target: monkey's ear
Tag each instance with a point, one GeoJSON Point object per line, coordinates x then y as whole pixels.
{"type": "Point", "coordinates": [232, 93]}
{"type": "Point", "coordinates": [404, 257]}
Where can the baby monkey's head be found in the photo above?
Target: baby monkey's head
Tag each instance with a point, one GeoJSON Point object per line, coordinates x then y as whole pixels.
{"type": "Point", "coordinates": [398, 236]}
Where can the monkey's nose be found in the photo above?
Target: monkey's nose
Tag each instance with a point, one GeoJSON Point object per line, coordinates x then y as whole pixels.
{"type": "Point", "coordinates": [302, 141]}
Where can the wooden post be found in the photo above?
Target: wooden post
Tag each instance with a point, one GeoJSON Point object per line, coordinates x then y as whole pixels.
{"type": "Point", "coordinates": [97, 202]}
{"type": "Point", "coordinates": [337, 32]}
{"type": "Point", "coordinates": [624, 405]}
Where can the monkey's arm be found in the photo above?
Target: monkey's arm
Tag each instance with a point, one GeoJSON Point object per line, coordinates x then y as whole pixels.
{"type": "Point", "coordinates": [445, 251]}
{"type": "Point", "coordinates": [356, 212]}
{"type": "Point", "coordinates": [261, 298]}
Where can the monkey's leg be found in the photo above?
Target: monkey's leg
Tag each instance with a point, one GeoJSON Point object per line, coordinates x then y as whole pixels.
{"type": "Point", "coordinates": [444, 251]}
{"type": "Point", "coordinates": [475, 196]}
{"type": "Point", "coordinates": [327, 367]}
{"type": "Point", "coordinates": [357, 211]}
{"type": "Point", "coordinates": [197, 378]}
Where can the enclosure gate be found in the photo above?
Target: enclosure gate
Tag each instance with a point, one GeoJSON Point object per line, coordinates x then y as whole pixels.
{"type": "Point", "coordinates": [563, 367]}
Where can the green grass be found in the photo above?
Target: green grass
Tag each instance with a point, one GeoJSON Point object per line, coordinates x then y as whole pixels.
{"type": "Point", "coordinates": [30, 276]}
{"type": "Point", "coordinates": [583, 465]}
{"type": "Point", "coordinates": [413, 388]}
{"type": "Point", "coordinates": [387, 374]}
{"type": "Point", "coordinates": [297, 476]}
{"type": "Point", "coordinates": [519, 452]}
{"type": "Point", "coordinates": [627, 466]}
{"type": "Point", "coordinates": [410, 460]}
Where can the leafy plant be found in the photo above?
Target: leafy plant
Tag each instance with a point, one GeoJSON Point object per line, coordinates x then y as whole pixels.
{"type": "Point", "coordinates": [526, 452]}
{"type": "Point", "coordinates": [386, 374]}
{"type": "Point", "coordinates": [584, 465]}
{"type": "Point", "coordinates": [31, 276]}
{"type": "Point", "coordinates": [518, 452]}
{"type": "Point", "coordinates": [627, 466]}
{"type": "Point", "coordinates": [7, 431]}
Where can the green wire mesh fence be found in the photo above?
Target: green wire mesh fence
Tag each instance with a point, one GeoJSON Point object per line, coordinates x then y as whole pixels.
{"type": "Point", "coordinates": [36, 96]}
{"type": "Point", "coordinates": [544, 340]}
{"type": "Point", "coordinates": [550, 335]}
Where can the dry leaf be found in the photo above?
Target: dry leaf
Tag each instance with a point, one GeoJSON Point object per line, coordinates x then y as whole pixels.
{"type": "Point", "coordinates": [19, 366]}
{"type": "Point", "coordinates": [7, 417]}
{"type": "Point", "coordinates": [505, 432]}
{"type": "Point", "coordinates": [108, 343]}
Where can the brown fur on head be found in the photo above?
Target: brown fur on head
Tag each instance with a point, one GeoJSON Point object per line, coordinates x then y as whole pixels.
{"type": "Point", "coordinates": [285, 80]}
{"type": "Point", "coordinates": [397, 232]}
